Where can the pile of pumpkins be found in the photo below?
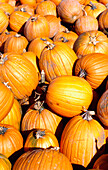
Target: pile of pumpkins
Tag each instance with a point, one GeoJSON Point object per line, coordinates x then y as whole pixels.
{"type": "Point", "coordinates": [53, 84]}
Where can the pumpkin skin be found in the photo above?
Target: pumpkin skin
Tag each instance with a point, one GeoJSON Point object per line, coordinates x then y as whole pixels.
{"type": "Point", "coordinates": [69, 10]}
{"type": "Point", "coordinates": [102, 108]}
{"type": "Point", "coordinates": [11, 140]}
{"type": "Point", "coordinates": [91, 42]}
{"type": "Point", "coordinates": [5, 164]}
{"type": "Point", "coordinates": [64, 95]}
{"type": "Point", "coordinates": [43, 159]}
{"type": "Point", "coordinates": [14, 116]}
{"type": "Point", "coordinates": [46, 8]}
{"type": "Point", "coordinates": [57, 59]}
{"type": "Point", "coordinates": [16, 44]}
{"type": "Point", "coordinates": [93, 67]}
{"type": "Point", "coordinates": [7, 8]}
{"type": "Point", "coordinates": [31, 3]}
{"type": "Point", "coordinates": [40, 119]}
{"type": "Point", "coordinates": [17, 21]}
{"type": "Point", "coordinates": [23, 77]}
{"type": "Point", "coordinates": [101, 162]}
{"type": "Point", "coordinates": [38, 44]}
{"type": "Point", "coordinates": [4, 21]}
{"type": "Point", "coordinates": [26, 8]}
{"type": "Point", "coordinates": [103, 21]}
{"type": "Point", "coordinates": [40, 138]}
{"type": "Point", "coordinates": [81, 139]}
{"type": "Point", "coordinates": [6, 100]}
{"type": "Point", "coordinates": [36, 26]}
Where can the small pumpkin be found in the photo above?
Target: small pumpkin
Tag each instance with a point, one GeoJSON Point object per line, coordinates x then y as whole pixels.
{"type": "Point", "coordinates": [36, 26]}
{"type": "Point", "coordinates": [43, 159]}
{"type": "Point", "coordinates": [82, 138]}
{"type": "Point", "coordinates": [4, 21]}
{"type": "Point", "coordinates": [25, 8]}
{"type": "Point", "coordinates": [57, 59]}
{"type": "Point", "coordinates": [40, 138]}
{"type": "Point", "coordinates": [102, 108]}
{"type": "Point", "coordinates": [7, 8]}
{"type": "Point", "coordinates": [93, 67]}
{"type": "Point", "coordinates": [5, 164]}
{"type": "Point", "coordinates": [11, 140]}
{"type": "Point", "coordinates": [64, 95]}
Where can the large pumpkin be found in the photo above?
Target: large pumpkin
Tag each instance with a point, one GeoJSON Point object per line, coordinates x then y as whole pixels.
{"type": "Point", "coordinates": [11, 140]}
{"type": "Point", "coordinates": [68, 95]}
{"type": "Point", "coordinates": [91, 42]}
{"type": "Point", "coordinates": [23, 77]}
{"type": "Point", "coordinates": [82, 138]}
{"type": "Point", "coordinates": [57, 59]}
{"type": "Point", "coordinates": [6, 100]}
{"type": "Point", "coordinates": [102, 108]}
{"type": "Point", "coordinates": [93, 67]}
{"type": "Point", "coordinates": [42, 159]}
{"type": "Point", "coordinates": [40, 138]}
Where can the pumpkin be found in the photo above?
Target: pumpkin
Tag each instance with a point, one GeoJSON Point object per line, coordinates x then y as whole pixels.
{"type": "Point", "coordinates": [16, 43]}
{"type": "Point", "coordinates": [40, 138]}
{"type": "Point", "coordinates": [86, 23]}
{"type": "Point", "coordinates": [64, 95]}
{"type": "Point", "coordinates": [57, 59]}
{"type": "Point", "coordinates": [38, 44]}
{"type": "Point", "coordinates": [56, 2]}
{"type": "Point", "coordinates": [39, 117]}
{"type": "Point", "coordinates": [46, 8]}
{"type": "Point", "coordinates": [101, 162]}
{"type": "Point", "coordinates": [17, 20]}
{"type": "Point", "coordinates": [14, 116]}
{"type": "Point", "coordinates": [5, 164]}
{"type": "Point", "coordinates": [103, 21]}
{"type": "Point", "coordinates": [4, 21]}
{"type": "Point", "coordinates": [94, 9]}
{"type": "Point", "coordinates": [6, 99]}
{"type": "Point", "coordinates": [11, 140]}
{"type": "Point", "coordinates": [54, 24]}
{"type": "Point", "coordinates": [69, 37]}
{"type": "Point", "coordinates": [69, 11]}
{"type": "Point", "coordinates": [105, 2]}
{"type": "Point", "coordinates": [93, 67]}
{"type": "Point", "coordinates": [23, 78]}
{"type": "Point", "coordinates": [36, 26]}
{"type": "Point", "coordinates": [82, 138]}
{"type": "Point", "coordinates": [43, 159]}
{"type": "Point", "coordinates": [7, 8]}
{"type": "Point", "coordinates": [31, 3]}
{"type": "Point", "coordinates": [102, 108]}
{"type": "Point", "coordinates": [91, 42]}
{"type": "Point", "coordinates": [25, 8]}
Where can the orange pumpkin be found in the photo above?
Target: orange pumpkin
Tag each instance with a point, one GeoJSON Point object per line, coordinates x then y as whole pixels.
{"type": "Point", "coordinates": [4, 21]}
{"type": "Point", "coordinates": [64, 95]}
{"type": "Point", "coordinates": [7, 8]}
{"type": "Point", "coordinates": [40, 118]}
{"type": "Point", "coordinates": [101, 162]}
{"type": "Point", "coordinates": [14, 116]}
{"type": "Point", "coordinates": [47, 159]}
{"type": "Point", "coordinates": [25, 8]}
{"type": "Point", "coordinates": [82, 138]}
{"type": "Point", "coordinates": [69, 10]}
{"type": "Point", "coordinates": [11, 140]}
{"type": "Point", "coordinates": [91, 42]}
{"type": "Point", "coordinates": [16, 43]}
{"type": "Point", "coordinates": [57, 59]}
{"type": "Point", "coordinates": [5, 164]}
{"type": "Point", "coordinates": [38, 44]}
{"type": "Point", "coordinates": [46, 8]}
{"type": "Point", "coordinates": [36, 26]}
{"type": "Point", "coordinates": [102, 108]}
{"type": "Point", "coordinates": [40, 138]}
{"type": "Point", "coordinates": [93, 67]}
{"type": "Point", "coordinates": [6, 99]}
{"type": "Point", "coordinates": [23, 77]}
{"type": "Point", "coordinates": [31, 3]}
{"type": "Point", "coordinates": [105, 2]}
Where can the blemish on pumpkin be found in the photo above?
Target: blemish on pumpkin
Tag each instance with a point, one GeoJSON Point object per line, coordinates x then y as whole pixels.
{"type": "Point", "coordinates": [51, 103]}
{"type": "Point", "coordinates": [57, 104]}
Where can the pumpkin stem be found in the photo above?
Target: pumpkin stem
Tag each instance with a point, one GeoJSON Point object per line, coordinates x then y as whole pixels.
{"type": "Point", "coordinates": [42, 76]}
{"type": "Point", "coordinates": [40, 134]}
{"type": "Point", "coordinates": [63, 39]}
{"type": "Point", "coordinates": [66, 30]}
{"type": "Point", "coordinates": [3, 59]}
{"type": "Point", "coordinates": [82, 73]}
{"type": "Point", "coordinates": [39, 106]}
{"type": "Point", "coordinates": [88, 115]}
{"type": "Point", "coordinates": [17, 35]}
{"type": "Point", "coordinates": [93, 40]}
{"type": "Point", "coordinates": [3, 130]}
{"type": "Point", "coordinates": [92, 5]}
{"type": "Point", "coordinates": [50, 45]}
{"type": "Point", "coordinates": [23, 9]}
{"type": "Point", "coordinates": [33, 19]}
{"type": "Point", "coordinates": [6, 84]}
{"type": "Point", "coordinates": [56, 148]}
